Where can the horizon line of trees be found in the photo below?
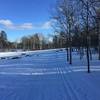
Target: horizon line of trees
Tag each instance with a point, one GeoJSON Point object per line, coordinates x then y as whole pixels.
{"type": "Point", "coordinates": [36, 41]}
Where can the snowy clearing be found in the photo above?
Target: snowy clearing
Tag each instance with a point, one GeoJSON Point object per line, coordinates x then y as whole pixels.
{"type": "Point", "coordinates": [45, 75]}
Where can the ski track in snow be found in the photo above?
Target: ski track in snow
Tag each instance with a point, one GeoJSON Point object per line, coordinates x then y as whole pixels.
{"type": "Point", "coordinates": [45, 75]}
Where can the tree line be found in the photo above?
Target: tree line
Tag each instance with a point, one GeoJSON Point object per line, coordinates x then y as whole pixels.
{"type": "Point", "coordinates": [37, 41]}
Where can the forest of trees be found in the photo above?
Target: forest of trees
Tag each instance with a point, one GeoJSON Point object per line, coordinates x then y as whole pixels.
{"type": "Point", "coordinates": [37, 41]}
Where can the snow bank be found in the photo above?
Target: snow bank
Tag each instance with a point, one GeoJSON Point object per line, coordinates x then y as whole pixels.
{"type": "Point", "coordinates": [10, 54]}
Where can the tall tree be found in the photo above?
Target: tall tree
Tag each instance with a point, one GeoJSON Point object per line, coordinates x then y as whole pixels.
{"type": "Point", "coordinates": [64, 16]}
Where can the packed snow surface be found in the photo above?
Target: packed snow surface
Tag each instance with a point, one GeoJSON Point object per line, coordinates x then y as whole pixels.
{"type": "Point", "coordinates": [46, 75]}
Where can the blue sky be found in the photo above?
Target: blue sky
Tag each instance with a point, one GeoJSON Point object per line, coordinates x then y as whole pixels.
{"type": "Point", "coordinates": [25, 17]}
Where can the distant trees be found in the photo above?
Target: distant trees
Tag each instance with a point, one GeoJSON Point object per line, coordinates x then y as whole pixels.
{"type": "Point", "coordinates": [34, 42]}
{"type": "Point", "coordinates": [3, 40]}
{"type": "Point", "coordinates": [59, 40]}
{"type": "Point", "coordinates": [31, 42]}
{"type": "Point", "coordinates": [5, 44]}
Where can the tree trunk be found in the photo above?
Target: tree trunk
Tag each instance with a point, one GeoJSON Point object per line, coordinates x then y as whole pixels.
{"type": "Point", "coordinates": [99, 47]}
{"type": "Point", "coordinates": [87, 53]}
{"type": "Point", "coordinates": [70, 50]}
{"type": "Point", "coordinates": [67, 54]}
{"type": "Point", "coordinates": [88, 38]}
{"type": "Point", "coordinates": [90, 53]}
{"type": "Point", "coordinates": [67, 49]}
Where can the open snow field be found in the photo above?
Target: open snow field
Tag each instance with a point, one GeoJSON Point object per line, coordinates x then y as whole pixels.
{"type": "Point", "coordinates": [46, 75]}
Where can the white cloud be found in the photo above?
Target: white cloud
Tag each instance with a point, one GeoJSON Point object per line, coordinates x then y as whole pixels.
{"type": "Point", "coordinates": [6, 23]}
{"type": "Point", "coordinates": [10, 25]}
{"type": "Point", "coordinates": [46, 25]}
{"type": "Point", "coordinates": [25, 26]}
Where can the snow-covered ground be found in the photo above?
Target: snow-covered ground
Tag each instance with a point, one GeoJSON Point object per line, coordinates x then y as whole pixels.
{"type": "Point", "coordinates": [46, 75]}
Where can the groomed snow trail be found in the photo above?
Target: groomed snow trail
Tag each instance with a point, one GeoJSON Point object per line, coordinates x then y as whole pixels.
{"type": "Point", "coordinates": [45, 75]}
